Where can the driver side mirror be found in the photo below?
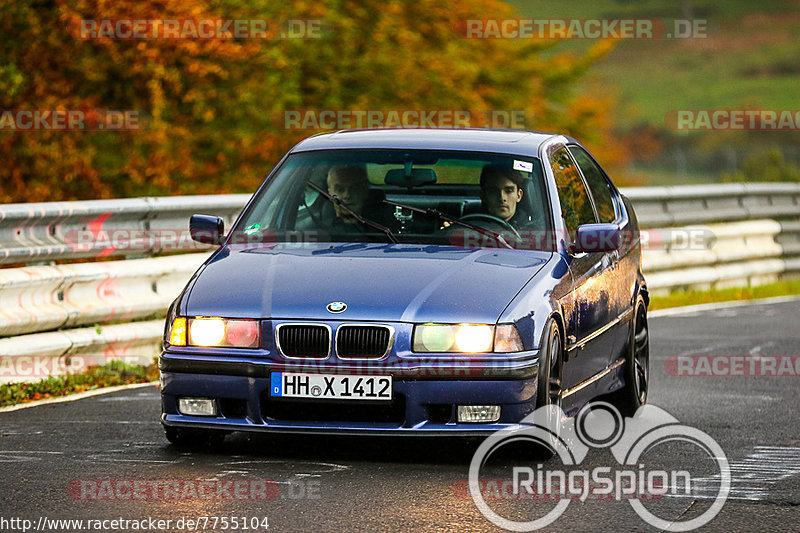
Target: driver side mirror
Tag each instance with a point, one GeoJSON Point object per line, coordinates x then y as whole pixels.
{"type": "Point", "coordinates": [207, 229]}
{"type": "Point", "coordinates": [597, 238]}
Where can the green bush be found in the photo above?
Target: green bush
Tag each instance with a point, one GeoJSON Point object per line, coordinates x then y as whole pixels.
{"type": "Point", "coordinates": [770, 165]}
{"type": "Point", "coordinates": [108, 375]}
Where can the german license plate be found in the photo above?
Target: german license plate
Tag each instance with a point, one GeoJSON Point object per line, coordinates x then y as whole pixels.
{"type": "Point", "coordinates": [325, 386]}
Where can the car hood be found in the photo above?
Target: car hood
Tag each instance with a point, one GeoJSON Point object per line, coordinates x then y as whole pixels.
{"type": "Point", "coordinates": [378, 282]}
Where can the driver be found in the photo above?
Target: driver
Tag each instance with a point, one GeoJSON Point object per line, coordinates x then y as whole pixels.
{"type": "Point", "coordinates": [501, 192]}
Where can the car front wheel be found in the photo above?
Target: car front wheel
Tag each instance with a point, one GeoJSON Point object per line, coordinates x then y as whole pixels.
{"type": "Point", "coordinates": [550, 383]}
{"type": "Point", "coordinates": [550, 367]}
{"type": "Point", "coordinates": [637, 364]}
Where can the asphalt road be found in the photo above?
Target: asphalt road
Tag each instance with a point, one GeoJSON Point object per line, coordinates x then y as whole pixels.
{"type": "Point", "coordinates": [81, 459]}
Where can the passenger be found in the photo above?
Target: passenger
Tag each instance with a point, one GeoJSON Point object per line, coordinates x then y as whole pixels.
{"type": "Point", "coordinates": [349, 183]}
{"type": "Point", "coordinates": [501, 193]}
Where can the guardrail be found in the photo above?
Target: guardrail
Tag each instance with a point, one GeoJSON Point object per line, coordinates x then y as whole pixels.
{"type": "Point", "coordinates": [698, 237]}
{"type": "Point", "coordinates": [42, 298]}
{"type": "Point", "coordinates": [663, 207]}
{"type": "Point", "coordinates": [131, 227]}
{"type": "Point", "coordinates": [717, 236]}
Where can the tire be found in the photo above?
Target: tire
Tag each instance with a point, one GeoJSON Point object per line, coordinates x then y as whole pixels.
{"type": "Point", "coordinates": [194, 438]}
{"type": "Point", "coordinates": [551, 373]}
{"type": "Point", "coordinates": [550, 384]}
{"type": "Point", "coordinates": [637, 364]}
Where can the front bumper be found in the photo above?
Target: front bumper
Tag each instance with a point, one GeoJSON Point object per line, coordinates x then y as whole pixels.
{"type": "Point", "coordinates": [425, 396]}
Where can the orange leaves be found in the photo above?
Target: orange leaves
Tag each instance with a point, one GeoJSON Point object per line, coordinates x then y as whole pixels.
{"type": "Point", "coordinates": [208, 106]}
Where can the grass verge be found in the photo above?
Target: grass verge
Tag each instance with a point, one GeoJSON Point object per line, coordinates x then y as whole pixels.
{"type": "Point", "coordinates": [684, 298]}
{"type": "Point", "coordinates": [108, 375]}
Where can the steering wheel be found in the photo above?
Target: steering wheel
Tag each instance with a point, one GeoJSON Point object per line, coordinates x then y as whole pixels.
{"type": "Point", "coordinates": [491, 218]}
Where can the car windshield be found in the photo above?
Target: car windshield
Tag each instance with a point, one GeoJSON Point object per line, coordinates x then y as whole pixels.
{"type": "Point", "coordinates": [421, 197]}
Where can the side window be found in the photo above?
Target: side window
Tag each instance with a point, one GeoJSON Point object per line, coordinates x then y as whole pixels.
{"type": "Point", "coordinates": [576, 205]}
{"type": "Point", "coordinates": [597, 184]}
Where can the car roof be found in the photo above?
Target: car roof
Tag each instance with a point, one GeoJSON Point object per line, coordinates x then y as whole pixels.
{"type": "Point", "coordinates": [506, 141]}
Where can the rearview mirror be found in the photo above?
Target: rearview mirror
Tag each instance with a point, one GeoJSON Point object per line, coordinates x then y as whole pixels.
{"type": "Point", "coordinates": [207, 229]}
{"type": "Point", "coordinates": [597, 238]}
{"type": "Point", "coordinates": [417, 177]}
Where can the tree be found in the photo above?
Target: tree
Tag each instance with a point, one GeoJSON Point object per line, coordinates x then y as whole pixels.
{"type": "Point", "coordinates": [211, 110]}
{"type": "Point", "coordinates": [770, 166]}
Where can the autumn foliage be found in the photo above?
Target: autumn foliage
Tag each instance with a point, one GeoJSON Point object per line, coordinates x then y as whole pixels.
{"type": "Point", "coordinates": [209, 106]}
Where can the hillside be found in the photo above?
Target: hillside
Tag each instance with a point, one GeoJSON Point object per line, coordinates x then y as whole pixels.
{"type": "Point", "coordinates": [749, 59]}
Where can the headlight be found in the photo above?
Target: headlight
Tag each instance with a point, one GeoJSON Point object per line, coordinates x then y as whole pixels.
{"type": "Point", "coordinates": [466, 338]}
{"type": "Point", "coordinates": [206, 331]}
{"type": "Point", "coordinates": [474, 338]}
{"type": "Point", "coordinates": [214, 331]}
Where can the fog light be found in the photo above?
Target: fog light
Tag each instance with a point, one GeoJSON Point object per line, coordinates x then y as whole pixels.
{"type": "Point", "coordinates": [478, 413]}
{"type": "Point", "coordinates": [197, 406]}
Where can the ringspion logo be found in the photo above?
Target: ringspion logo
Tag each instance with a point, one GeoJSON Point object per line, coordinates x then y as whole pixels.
{"type": "Point", "coordinates": [631, 442]}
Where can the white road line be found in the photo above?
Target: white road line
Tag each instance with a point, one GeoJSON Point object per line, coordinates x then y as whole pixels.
{"type": "Point", "coordinates": [23, 456]}
{"type": "Point", "coordinates": [701, 308]}
{"type": "Point", "coordinates": [753, 477]}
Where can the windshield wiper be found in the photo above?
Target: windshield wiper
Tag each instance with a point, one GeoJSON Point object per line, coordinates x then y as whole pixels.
{"type": "Point", "coordinates": [367, 222]}
{"type": "Point", "coordinates": [430, 211]}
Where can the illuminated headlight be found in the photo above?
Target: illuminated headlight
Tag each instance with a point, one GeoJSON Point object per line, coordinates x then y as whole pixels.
{"type": "Point", "coordinates": [197, 406]}
{"type": "Point", "coordinates": [478, 413]}
{"type": "Point", "coordinates": [213, 331]}
{"type": "Point", "coordinates": [206, 331]}
{"type": "Point", "coordinates": [473, 338]}
{"type": "Point", "coordinates": [466, 338]}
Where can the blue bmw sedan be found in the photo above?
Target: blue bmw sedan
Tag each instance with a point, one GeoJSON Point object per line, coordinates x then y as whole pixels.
{"type": "Point", "coordinates": [411, 282]}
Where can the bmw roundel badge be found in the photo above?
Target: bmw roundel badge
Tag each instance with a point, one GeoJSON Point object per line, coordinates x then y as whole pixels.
{"type": "Point", "coordinates": [336, 307]}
